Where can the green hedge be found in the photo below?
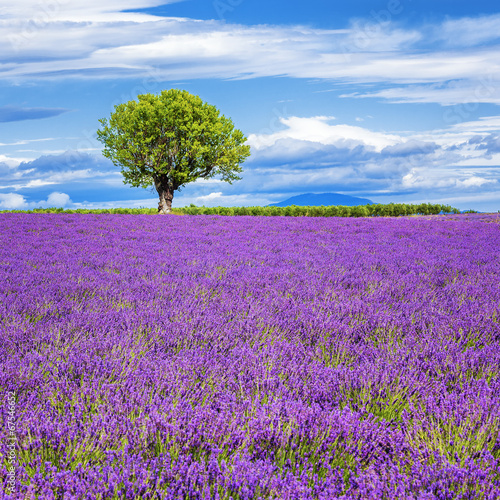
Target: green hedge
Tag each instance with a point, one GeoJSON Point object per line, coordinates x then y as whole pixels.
{"type": "Point", "coordinates": [376, 210]}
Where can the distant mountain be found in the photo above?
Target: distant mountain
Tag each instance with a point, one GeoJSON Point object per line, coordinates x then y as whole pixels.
{"type": "Point", "coordinates": [327, 199]}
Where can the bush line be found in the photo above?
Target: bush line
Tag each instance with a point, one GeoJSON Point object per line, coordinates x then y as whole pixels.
{"type": "Point", "coordinates": [375, 210]}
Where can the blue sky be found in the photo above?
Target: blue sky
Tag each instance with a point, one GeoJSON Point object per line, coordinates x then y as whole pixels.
{"type": "Point", "coordinates": [394, 100]}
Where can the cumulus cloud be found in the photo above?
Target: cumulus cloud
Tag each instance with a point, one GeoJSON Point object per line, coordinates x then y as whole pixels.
{"type": "Point", "coordinates": [15, 201]}
{"type": "Point", "coordinates": [490, 143]}
{"type": "Point", "coordinates": [318, 130]}
{"type": "Point", "coordinates": [9, 162]}
{"type": "Point", "coordinates": [317, 155]}
{"type": "Point", "coordinates": [289, 152]}
{"type": "Point", "coordinates": [56, 199]}
{"type": "Point", "coordinates": [12, 201]}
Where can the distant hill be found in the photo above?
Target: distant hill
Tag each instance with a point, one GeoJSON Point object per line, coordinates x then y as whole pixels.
{"type": "Point", "coordinates": [327, 199]}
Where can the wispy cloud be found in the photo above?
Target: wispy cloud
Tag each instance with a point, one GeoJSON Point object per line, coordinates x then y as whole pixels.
{"type": "Point", "coordinates": [444, 62]}
{"type": "Point", "coordinates": [483, 87]}
{"type": "Point", "coordinates": [40, 14]}
{"type": "Point", "coordinates": [26, 141]}
{"type": "Point", "coordinates": [61, 169]}
{"type": "Point", "coordinates": [469, 31]}
{"type": "Point", "coordinates": [16, 114]}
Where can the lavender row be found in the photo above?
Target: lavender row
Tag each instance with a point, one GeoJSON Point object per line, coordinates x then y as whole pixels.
{"type": "Point", "coordinates": [251, 357]}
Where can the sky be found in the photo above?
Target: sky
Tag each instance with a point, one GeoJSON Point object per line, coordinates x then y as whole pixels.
{"type": "Point", "coordinates": [391, 100]}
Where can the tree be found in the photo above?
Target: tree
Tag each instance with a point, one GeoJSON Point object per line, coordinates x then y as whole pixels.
{"type": "Point", "coordinates": [171, 139]}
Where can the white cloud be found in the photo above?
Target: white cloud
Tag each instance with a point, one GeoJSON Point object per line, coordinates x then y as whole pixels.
{"type": "Point", "coordinates": [12, 201]}
{"type": "Point", "coordinates": [483, 124]}
{"type": "Point", "coordinates": [35, 183]}
{"type": "Point", "coordinates": [475, 181]}
{"type": "Point", "coordinates": [25, 179]}
{"type": "Point", "coordinates": [15, 201]}
{"type": "Point", "coordinates": [317, 155]}
{"type": "Point", "coordinates": [210, 197]}
{"type": "Point", "coordinates": [41, 152]}
{"type": "Point", "coordinates": [11, 161]}
{"type": "Point", "coordinates": [56, 199]}
{"type": "Point", "coordinates": [97, 40]}
{"type": "Point", "coordinates": [40, 14]}
{"type": "Point", "coordinates": [26, 141]}
{"type": "Point", "coordinates": [318, 130]}
{"type": "Point", "coordinates": [71, 168]}
{"type": "Point", "coordinates": [470, 90]}
{"type": "Point", "coordinates": [378, 37]}
{"type": "Point", "coordinates": [432, 178]}
{"type": "Point", "coordinates": [470, 31]}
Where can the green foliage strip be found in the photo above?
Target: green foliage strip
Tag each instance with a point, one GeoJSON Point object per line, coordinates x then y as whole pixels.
{"type": "Point", "coordinates": [376, 210]}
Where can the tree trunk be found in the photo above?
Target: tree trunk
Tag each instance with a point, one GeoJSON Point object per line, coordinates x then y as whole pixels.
{"type": "Point", "coordinates": [166, 193]}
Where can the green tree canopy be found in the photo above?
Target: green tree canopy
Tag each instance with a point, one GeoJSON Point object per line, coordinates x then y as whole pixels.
{"type": "Point", "coordinates": [171, 139]}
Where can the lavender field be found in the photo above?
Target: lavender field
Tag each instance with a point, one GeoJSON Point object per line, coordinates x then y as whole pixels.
{"type": "Point", "coordinates": [209, 357]}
